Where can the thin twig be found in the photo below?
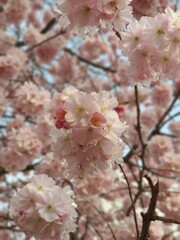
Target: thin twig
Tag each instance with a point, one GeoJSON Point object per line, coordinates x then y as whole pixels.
{"type": "Point", "coordinates": [165, 219]}
{"type": "Point", "coordinates": [130, 194]}
{"type": "Point", "coordinates": [45, 41]}
{"type": "Point", "coordinates": [170, 118]}
{"type": "Point", "coordinates": [107, 69]}
{"type": "Point", "coordinates": [160, 123]}
{"type": "Point", "coordinates": [138, 126]}
{"type": "Point", "coordinates": [114, 237]}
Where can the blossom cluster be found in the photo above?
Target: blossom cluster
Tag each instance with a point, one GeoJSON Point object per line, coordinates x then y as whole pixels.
{"type": "Point", "coordinates": [114, 14]}
{"type": "Point", "coordinates": [89, 131]}
{"type": "Point", "coordinates": [76, 135]}
{"type": "Point", "coordinates": [11, 64]}
{"type": "Point", "coordinates": [153, 44]}
{"type": "Point", "coordinates": [30, 99]}
{"type": "Point", "coordinates": [44, 210]}
{"type": "Point", "coordinates": [16, 11]}
{"type": "Point", "coordinates": [52, 167]}
{"type": "Point", "coordinates": [23, 146]}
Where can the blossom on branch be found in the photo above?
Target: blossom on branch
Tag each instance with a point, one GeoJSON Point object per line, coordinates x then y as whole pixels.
{"type": "Point", "coordinates": [87, 15]}
{"type": "Point", "coordinates": [44, 210]}
{"type": "Point", "coordinates": [89, 132]}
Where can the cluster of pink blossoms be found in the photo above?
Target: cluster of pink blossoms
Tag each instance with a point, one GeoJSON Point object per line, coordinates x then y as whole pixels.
{"type": "Point", "coordinates": [114, 14]}
{"type": "Point", "coordinates": [12, 63]}
{"type": "Point", "coordinates": [23, 146]}
{"type": "Point", "coordinates": [89, 132]}
{"type": "Point", "coordinates": [45, 52]}
{"type": "Point", "coordinates": [52, 167]}
{"type": "Point", "coordinates": [153, 44]}
{"type": "Point", "coordinates": [44, 210]}
{"type": "Point", "coordinates": [16, 11]}
{"type": "Point", "coordinates": [30, 99]}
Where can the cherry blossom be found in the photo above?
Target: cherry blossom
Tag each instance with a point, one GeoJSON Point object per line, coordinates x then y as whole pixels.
{"type": "Point", "coordinates": [89, 119]}
{"type": "Point", "coordinates": [41, 199]}
{"type": "Point", "coordinates": [88, 14]}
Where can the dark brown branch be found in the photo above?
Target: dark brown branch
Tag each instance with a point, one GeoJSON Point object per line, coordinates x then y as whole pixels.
{"type": "Point", "coordinates": [170, 118]}
{"type": "Point", "coordinates": [118, 34]}
{"type": "Point", "coordinates": [128, 156]}
{"type": "Point", "coordinates": [107, 69]}
{"type": "Point", "coordinates": [165, 219]}
{"type": "Point", "coordinates": [152, 170]}
{"type": "Point", "coordinates": [50, 24]}
{"type": "Point", "coordinates": [148, 216]}
{"type": "Point", "coordinates": [45, 41]}
{"type": "Point", "coordinates": [160, 122]}
{"type": "Point", "coordinates": [28, 168]}
{"type": "Point", "coordinates": [167, 135]}
{"type": "Point", "coordinates": [1, 9]}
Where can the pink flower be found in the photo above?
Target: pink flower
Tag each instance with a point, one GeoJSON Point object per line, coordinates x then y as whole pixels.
{"type": "Point", "coordinates": [41, 183]}
{"type": "Point", "coordinates": [156, 29]}
{"type": "Point", "coordinates": [52, 166]}
{"type": "Point", "coordinates": [44, 210]}
{"type": "Point", "coordinates": [79, 106]}
{"type": "Point", "coordinates": [88, 14]}
{"type": "Point", "coordinates": [83, 14]}
{"type": "Point", "coordinates": [59, 117]}
{"type": "Point", "coordinates": [16, 11]}
{"type": "Point", "coordinates": [92, 139]}
{"type": "Point", "coordinates": [106, 102]}
{"type": "Point", "coordinates": [120, 110]}
{"type": "Point", "coordinates": [30, 99]}
{"type": "Point", "coordinates": [30, 145]}
{"type": "Point", "coordinates": [133, 37]}
{"type": "Point", "coordinates": [84, 137]}
{"type": "Point", "coordinates": [64, 144]}
{"type": "Point", "coordinates": [173, 37]}
{"type": "Point", "coordinates": [97, 119]}
{"type": "Point", "coordinates": [159, 145]}
{"type": "Point", "coordinates": [7, 67]}
{"type": "Point", "coordinates": [173, 16]}
{"type": "Point", "coordinates": [122, 16]}
{"type": "Point", "coordinates": [47, 51]}
{"type": "Point", "coordinates": [163, 62]}
{"type": "Point", "coordinates": [52, 209]}
{"type": "Point", "coordinates": [161, 94]}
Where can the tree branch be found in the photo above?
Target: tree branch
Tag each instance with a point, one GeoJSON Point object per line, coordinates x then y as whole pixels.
{"type": "Point", "coordinates": [107, 69]}
{"type": "Point", "coordinates": [160, 122]}
{"type": "Point", "coordinates": [130, 194]}
{"type": "Point", "coordinates": [148, 216]}
{"type": "Point", "coordinates": [138, 126]}
{"type": "Point", "coordinates": [45, 41]}
{"type": "Point", "coordinates": [165, 219]}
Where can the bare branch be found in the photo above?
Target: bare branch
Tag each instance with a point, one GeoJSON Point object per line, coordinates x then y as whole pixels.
{"type": "Point", "coordinates": [130, 194]}
{"type": "Point", "coordinates": [160, 122]}
{"type": "Point", "coordinates": [165, 219]}
{"type": "Point", "coordinates": [45, 41]}
{"type": "Point", "coordinates": [148, 216]}
{"type": "Point", "coordinates": [107, 69]}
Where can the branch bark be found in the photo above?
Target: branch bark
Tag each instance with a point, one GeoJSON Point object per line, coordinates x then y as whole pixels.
{"type": "Point", "coordinates": [149, 215]}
